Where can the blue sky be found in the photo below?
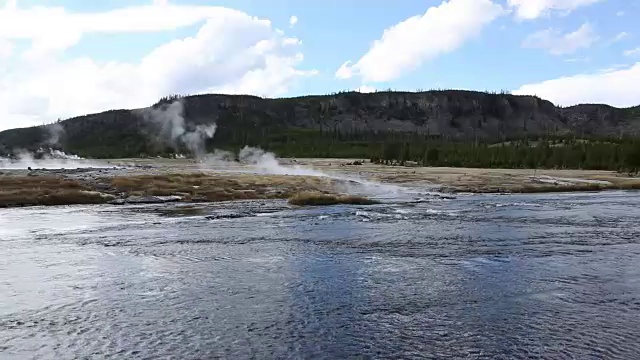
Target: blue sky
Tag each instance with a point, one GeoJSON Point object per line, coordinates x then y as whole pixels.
{"type": "Point", "coordinates": [60, 58]}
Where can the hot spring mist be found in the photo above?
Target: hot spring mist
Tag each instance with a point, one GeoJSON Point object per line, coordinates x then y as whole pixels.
{"type": "Point", "coordinates": [169, 127]}
{"type": "Point", "coordinates": [48, 156]}
{"type": "Point", "coordinates": [172, 130]}
{"type": "Point", "coordinates": [257, 161]}
{"type": "Point", "coordinates": [47, 159]}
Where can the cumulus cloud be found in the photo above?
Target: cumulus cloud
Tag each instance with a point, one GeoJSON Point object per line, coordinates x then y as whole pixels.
{"type": "Point", "coordinates": [366, 89]}
{"type": "Point", "coordinates": [621, 36]}
{"type": "Point", "coordinates": [65, 29]}
{"type": "Point", "coordinates": [616, 86]}
{"type": "Point", "coordinates": [231, 52]}
{"type": "Point", "coordinates": [406, 45]}
{"type": "Point", "coordinates": [632, 52]}
{"type": "Point", "coordinates": [557, 43]}
{"type": "Point", "coordinates": [532, 9]}
{"type": "Point", "coordinates": [293, 20]}
{"type": "Point", "coordinates": [577, 60]}
{"type": "Point", "coordinates": [11, 4]}
{"type": "Point", "coordinates": [6, 48]}
{"type": "Point", "coordinates": [345, 70]}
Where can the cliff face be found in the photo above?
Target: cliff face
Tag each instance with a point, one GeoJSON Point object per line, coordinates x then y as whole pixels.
{"type": "Point", "coordinates": [452, 114]}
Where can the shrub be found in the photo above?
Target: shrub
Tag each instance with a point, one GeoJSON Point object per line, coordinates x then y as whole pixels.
{"type": "Point", "coordinates": [320, 199]}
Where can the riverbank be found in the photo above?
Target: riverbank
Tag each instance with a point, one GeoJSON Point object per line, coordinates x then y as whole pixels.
{"type": "Point", "coordinates": [476, 180]}
{"type": "Point", "coordinates": [60, 189]}
{"type": "Point", "coordinates": [136, 181]}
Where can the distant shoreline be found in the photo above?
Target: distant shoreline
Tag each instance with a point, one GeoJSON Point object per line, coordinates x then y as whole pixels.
{"type": "Point", "coordinates": [138, 181]}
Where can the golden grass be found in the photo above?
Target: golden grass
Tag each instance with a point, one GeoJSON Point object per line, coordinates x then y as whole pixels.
{"type": "Point", "coordinates": [629, 184]}
{"type": "Point", "coordinates": [528, 189]}
{"type": "Point", "coordinates": [204, 187]}
{"type": "Point", "coordinates": [320, 199]}
{"type": "Point", "coordinates": [578, 187]}
{"type": "Point", "coordinates": [31, 191]}
{"type": "Point", "coordinates": [8, 183]}
{"type": "Point", "coordinates": [192, 187]}
{"type": "Point", "coordinates": [34, 197]}
{"type": "Point", "coordinates": [300, 190]}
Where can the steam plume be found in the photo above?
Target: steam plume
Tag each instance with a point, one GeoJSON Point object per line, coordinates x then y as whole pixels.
{"type": "Point", "coordinates": [174, 131]}
{"type": "Point", "coordinates": [46, 159]}
{"type": "Point", "coordinates": [256, 160]}
{"type": "Point", "coordinates": [56, 131]}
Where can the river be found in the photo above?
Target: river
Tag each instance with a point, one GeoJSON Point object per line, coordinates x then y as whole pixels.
{"type": "Point", "coordinates": [478, 276]}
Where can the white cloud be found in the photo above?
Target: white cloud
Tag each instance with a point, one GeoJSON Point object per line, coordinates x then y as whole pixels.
{"type": "Point", "coordinates": [366, 89]}
{"type": "Point", "coordinates": [406, 45]}
{"type": "Point", "coordinates": [620, 36]}
{"type": "Point", "coordinates": [620, 13]}
{"type": "Point", "coordinates": [632, 52]}
{"type": "Point", "coordinates": [293, 20]}
{"type": "Point", "coordinates": [575, 60]}
{"type": "Point", "coordinates": [345, 70]}
{"type": "Point", "coordinates": [231, 52]}
{"type": "Point", "coordinates": [616, 86]}
{"type": "Point", "coordinates": [532, 9]}
{"type": "Point", "coordinates": [65, 29]}
{"type": "Point", "coordinates": [11, 4]}
{"type": "Point", "coordinates": [6, 48]}
{"type": "Point", "coordinates": [557, 43]}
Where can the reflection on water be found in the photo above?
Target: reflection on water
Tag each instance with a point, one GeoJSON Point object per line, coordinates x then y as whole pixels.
{"type": "Point", "coordinates": [473, 277]}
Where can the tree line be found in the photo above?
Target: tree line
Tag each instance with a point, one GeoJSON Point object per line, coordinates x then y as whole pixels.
{"type": "Point", "coordinates": [551, 152]}
{"type": "Point", "coordinates": [119, 134]}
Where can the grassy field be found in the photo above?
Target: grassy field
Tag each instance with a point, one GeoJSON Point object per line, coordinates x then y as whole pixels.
{"type": "Point", "coordinates": [205, 187]}
{"type": "Point", "coordinates": [479, 180]}
{"type": "Point", "coordinates": [319, 199]}
{"type": "Point", "coordinates": [39, 190]}
{"type": "Point", "coordinates": [189, 187]}
{"type": "Point", "coordinates": [189, 181]}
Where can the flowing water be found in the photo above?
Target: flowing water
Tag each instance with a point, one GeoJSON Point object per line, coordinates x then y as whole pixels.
{"type": "Point", "coordinates": [479, 276]}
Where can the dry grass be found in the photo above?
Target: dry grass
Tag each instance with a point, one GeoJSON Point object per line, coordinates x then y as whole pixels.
{"type": "Point", "coordinates": [61, 197]}
{"type": "Point", "coordinates": [579, 187]}
{"type": "Point", "coordinates": [629, 184]}
{"type": "Point", "coordinates": [203, 187]}
{"type": "Point", "coordinates": [8, 183]}
{"type": "Point", "coordinates": [192, 187]}
{"type": "Point", "coordinates": [528, 189]}
{"type": "Point", "coordinates": [320, 199]}
{"type": "Point", "coordinates": [31, 191]}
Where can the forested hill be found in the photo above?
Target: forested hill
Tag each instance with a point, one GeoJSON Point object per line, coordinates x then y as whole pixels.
{"type": "Point", "coordinates": [316, 123]}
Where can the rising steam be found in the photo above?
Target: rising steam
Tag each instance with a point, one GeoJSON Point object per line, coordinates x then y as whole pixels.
{"type": "Point", "coordinates": [174, 131]}
{"type": "Point", "coordinates": [55, 132]}
{"type": "Point", "coordinates": [46, 159]}
{"type": "Point", "coordinates": [255, 160]}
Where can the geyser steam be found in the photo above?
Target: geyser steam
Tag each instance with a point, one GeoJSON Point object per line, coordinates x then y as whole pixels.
{"type": "Point", "coordinates": [169, 118]}
{"type": "Point", "coordinates": [259, 161]}
{"type": "Point", "coordinates": [267, 163]}
{"type": "Point", "coordinates": [46, 159]}
{"type": "Point", "coordinates": [56, 131]}
{"type": "Point", "coordinates": [175, 132]}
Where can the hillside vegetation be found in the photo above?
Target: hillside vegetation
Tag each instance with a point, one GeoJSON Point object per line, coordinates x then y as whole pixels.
{"type": "Point", "coordinates": [443, 128]}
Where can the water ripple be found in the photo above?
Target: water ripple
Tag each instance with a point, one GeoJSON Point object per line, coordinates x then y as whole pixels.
{"type": "Point", "coordinates": [531, 276]}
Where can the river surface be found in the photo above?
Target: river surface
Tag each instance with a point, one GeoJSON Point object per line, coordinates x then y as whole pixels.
{"type": "Point", "coordinates": [478, 276]}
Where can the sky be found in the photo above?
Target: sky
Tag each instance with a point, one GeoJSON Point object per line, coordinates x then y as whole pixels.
{"type": "Point", "coordinates": [64, 58]}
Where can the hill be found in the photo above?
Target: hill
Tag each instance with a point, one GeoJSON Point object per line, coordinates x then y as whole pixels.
{"type": "Point", "coordinates": [292, 125]}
